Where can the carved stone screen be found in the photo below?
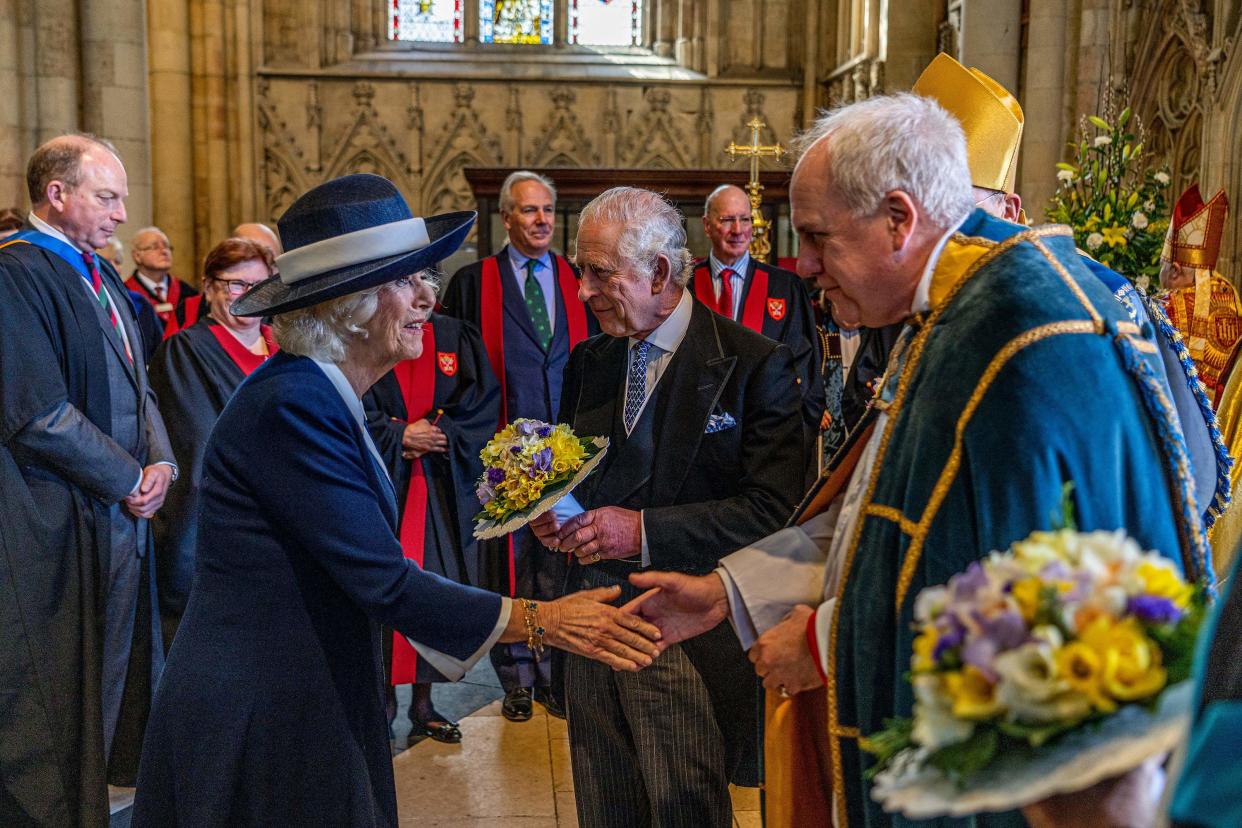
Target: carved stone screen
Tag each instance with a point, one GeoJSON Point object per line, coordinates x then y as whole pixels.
{"type": "Point", "coordinates": [428, 21]}
{"type": "Point", "coordinates": [606, 22]}
{"type": "Point", "coordinates": [516, 21]}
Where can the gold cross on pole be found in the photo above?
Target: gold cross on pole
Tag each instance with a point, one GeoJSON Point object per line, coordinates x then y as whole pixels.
{"type": "Point", "coordinates": [760, 245]}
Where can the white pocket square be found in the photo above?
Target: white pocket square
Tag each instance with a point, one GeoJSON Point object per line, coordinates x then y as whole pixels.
{"type": "Point", "coordinates": [719, 422]}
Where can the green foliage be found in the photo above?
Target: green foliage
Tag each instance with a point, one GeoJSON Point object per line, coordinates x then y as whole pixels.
{"type": "Point", "coordinates": [963, 760]}
{"type": "Point", "coordinates": [1177, 641]}
{"type": "Point", "coordinates": [884, 744]}
{"type": "Point", "coordinates": [1113, 196]}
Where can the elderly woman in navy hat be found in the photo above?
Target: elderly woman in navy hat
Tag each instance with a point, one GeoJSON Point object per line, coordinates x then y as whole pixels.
{"type": "Point", "coordinates": [271, 707]}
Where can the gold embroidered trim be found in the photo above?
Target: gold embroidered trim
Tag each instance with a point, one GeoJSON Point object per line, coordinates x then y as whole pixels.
{"type": "Point", "coordinates": [889, 513]}
{"type": "Point", "coordinates": [949, 473]}
{"type": "Point", "coordinates": [847, 732]}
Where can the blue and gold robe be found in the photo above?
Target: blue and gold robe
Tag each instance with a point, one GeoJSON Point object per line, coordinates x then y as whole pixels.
{"type": "Point", "coordinates": [1025, 373]}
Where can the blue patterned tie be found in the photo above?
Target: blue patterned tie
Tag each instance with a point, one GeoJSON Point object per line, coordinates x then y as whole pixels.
{"type": "Point", "coordinates": [636, 388]}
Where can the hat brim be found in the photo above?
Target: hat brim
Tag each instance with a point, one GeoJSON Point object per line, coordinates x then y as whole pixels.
{"type": "Point", "coordinates": [272, 296]}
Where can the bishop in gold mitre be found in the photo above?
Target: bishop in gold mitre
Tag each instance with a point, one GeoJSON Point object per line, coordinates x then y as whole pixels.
{"type": "Point", "coordinates": [1201, 303]}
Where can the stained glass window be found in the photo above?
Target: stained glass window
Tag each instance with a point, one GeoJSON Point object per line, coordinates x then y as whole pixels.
{"type": "Point", "coordinates": [606, 22]}
{"type": "Point", "coordinates": [515, 21]}
{"type": "Point", "coordinates": [434, 21]}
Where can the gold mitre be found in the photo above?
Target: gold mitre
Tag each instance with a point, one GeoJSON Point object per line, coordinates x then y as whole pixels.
{"type": "Point", "coordinates": [990, 117]}
{"type": "Point", "coordinates": [1195, 230]}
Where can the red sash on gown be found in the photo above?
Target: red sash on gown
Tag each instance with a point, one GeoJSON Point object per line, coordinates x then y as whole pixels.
{"type": "Point", "coordinates": [756, 298]}
{"type": "Point", "coordinates": [242, 357]}
{"type": "Point", "coordinates": [417, 378]}
{"type": "Point", "coordinates": [492, 312]}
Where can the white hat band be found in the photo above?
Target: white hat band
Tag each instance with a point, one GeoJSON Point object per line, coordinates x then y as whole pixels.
{"type": "Point", "coordinates": [358, 247]}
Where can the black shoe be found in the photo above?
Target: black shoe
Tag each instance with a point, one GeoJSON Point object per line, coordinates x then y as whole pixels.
{"type": "Point", "coordinates": [516, 706]}
{"type": "Point", "coordinates": [440, 731]}
{"type": "Point", "coordinates": [550, 702]}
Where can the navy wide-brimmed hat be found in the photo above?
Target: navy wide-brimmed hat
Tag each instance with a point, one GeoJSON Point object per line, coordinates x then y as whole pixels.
{"type": "Point", "coordinates": [347, 235]}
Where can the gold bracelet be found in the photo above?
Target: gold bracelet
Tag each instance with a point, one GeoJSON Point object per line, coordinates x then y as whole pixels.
{"type": "Point", "coordinates": [534, 630]}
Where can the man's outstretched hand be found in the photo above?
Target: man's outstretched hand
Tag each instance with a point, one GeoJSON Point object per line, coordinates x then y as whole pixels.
{"type": "Point", "coordinates": [585, 623]}
{"type": "Point", "coordinates": [682, 606]}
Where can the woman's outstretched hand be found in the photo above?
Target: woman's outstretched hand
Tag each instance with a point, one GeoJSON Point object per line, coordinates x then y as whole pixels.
{"type": "Point", "coordinates": [586, 624]}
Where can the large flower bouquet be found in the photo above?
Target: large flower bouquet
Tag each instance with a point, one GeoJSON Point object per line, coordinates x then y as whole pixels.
{"type": "Point", "coordinates": [1113, 197]}
{"type": "Point", "coordinates": [1040, 670]}
{"type": "Point", "coordinates": [527, 467]}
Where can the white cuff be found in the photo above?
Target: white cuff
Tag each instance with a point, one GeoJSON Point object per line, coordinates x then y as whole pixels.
{"type": "Point", "coordinates": [739, 618]}
{"type": "Point", "coordinates": [823, 626]}
{"type": "Point", "coordinates": [452, 668]}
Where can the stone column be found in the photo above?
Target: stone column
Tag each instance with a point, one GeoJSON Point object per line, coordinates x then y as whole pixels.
{"type": "Point", "coordinates": [172, 133]}
{"type": "Point", "coordinates": [114, 93]}
{"type": "Point", "coordinates": [992, 39]}
{"type": "Point", "coordinates": [1043, 97]}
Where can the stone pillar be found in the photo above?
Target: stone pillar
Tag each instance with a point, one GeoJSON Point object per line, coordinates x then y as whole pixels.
{"type": "Point", "coordinates": [665, 14]}
{"type": "Point", "coordinates": [1043, 97]}
{"type": "Point", "coordinates": [114, 93]}
{"type": "Point", "coordinates": [172, 133]}
{"type": "Point", "coordinates": [991, 39]}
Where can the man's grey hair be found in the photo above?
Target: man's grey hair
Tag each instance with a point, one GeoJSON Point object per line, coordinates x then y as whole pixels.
{"type": "Point", "coordinates": [650, 227]}
{"type": "Point", "coordinates": [326, 330]}
{"type": "Point", "coordinates": [60, 159]}
{"type": "Point", "coordinates": [517, 177]}
{"type": "Point", "coordinates": [895, 142]}
{"type": "Point", "coordinates": [151, 229]}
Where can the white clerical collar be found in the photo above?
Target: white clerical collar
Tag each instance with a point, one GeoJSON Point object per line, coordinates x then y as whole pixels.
{"type": "Point", "coordinates": [43, 227]}
{"type": "Point", "coordinates": [922, 292]}
{"type": "Point", "coordinates": [740, 267]}
{"type": "Point", "coordinates": [668, 336]}
{"type": "Point", "coordinates": [337, 377]}
{"type": "Point", "coordinates": [151, 286]}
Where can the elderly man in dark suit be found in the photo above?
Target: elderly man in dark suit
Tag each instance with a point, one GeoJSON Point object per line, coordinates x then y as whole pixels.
{"type": "Point", "coordinates": [84, 464]}
{"type": "Point", "coordinates": [706, 456]}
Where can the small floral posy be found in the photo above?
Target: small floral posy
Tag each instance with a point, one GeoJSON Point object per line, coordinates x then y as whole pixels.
{"type": "Point", "coordinates": [1052, 637]}
{"type": "Point", "coordinates": [527, 467]}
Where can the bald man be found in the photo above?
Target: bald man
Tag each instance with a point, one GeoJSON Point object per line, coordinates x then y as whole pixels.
{"type": "Point", "coordinates": [260, 234]}
{"type": "Point", "coordinates": [769, 300]}
{"type": "Point", "coordinates": [84, 464]}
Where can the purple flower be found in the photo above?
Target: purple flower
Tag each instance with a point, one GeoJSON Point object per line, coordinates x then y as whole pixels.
{"type": "Point", "coordinates": [540, 462]}
{"type": "Point", "coordinates": [1006, 629]}
{"type": "Point", "coordinates": [969, 582]}
{"type": "Point", "coordinates": [525, 427]}
{"type": "Point", "coordinates": [951, 635]}
{"type": "Point", "coordinates": [484, 492]}
{"type": "Point", "coordinates": [495, 476]}
{"type": "Point", "coordinates": [1153, 609]}
{"type": "Point", "coordinates": [544, 430]}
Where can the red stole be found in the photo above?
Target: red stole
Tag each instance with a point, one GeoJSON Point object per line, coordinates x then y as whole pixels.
{"type": "Point", "coordinates": [756, 298]}
{"type": "Point", "coordinates": [193, 307]}
{"type": "Point", "coordinates": [242, 357]}
{"type": "Point", "coordinates": [492, 317]}
{"type": "Point", "coordinates": [417, 378]}
{"type": "Point", "coordinates": [164, 310]}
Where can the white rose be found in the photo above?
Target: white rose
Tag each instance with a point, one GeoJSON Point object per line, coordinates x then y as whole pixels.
{"type": "Point", "coordinates": [1139, 221]}
{"type": "Point", "coordinates": [1065, 175]}
{"type": "Point", "coordinates": [1094, 241]}
{"type": "Point", "coordinates": [1143, 283]}
{"type": "Point", "coordinates": [934, 723]}
{"type": "Point", "coordinates": [1103, 140]}
{"type": "Point", "coordinates": [1162, 177]}
{"type": "Point", "coordinates": [1032, 692]}
{"type": "Point", "coordinates": [929, 603]}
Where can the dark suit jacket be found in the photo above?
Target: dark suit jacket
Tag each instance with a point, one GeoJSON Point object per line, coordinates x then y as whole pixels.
{"type": "Point", "coordinates": [278, 654]}
{"type": "Point", "coordinates": [702, 495]}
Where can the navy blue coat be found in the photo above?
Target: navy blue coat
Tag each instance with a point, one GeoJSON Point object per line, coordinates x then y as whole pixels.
{"type": "Point", "coordinates": [271, 708]}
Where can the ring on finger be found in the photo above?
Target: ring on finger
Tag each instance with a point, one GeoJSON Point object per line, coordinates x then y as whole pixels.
{"type": "Point", "coordinates": [595, 557]}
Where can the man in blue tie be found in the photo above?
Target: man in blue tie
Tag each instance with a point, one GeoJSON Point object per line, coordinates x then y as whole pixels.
{"type": "Point", "coordinates": [84, 464]}
{"type": "Point", "coordinates": [524, 300]}
{"type": "Point", "coordinates": [705, 456]}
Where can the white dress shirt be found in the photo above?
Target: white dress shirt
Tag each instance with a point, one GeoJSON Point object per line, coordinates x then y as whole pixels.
{"type": "Point", "coordinates": [545, 275]}
{"type": "Point", "coordinates": [448, 666]}
{"type": "Point", "coordinates": [737, 281]}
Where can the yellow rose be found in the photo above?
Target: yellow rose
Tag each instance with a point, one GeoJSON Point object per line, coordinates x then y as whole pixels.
{"type": "Point", "coordinates": [973, 694]}
{"type": "Point", "coordinates": [1130, 663]}
{"type": "Point", "coordinates": [1080, 667]}
{"type": "Point", "coordinates": [1161, 580]}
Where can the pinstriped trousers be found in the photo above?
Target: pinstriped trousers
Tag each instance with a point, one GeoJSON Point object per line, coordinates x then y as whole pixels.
{"type": "Point", "coordinates": [645, 747]}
